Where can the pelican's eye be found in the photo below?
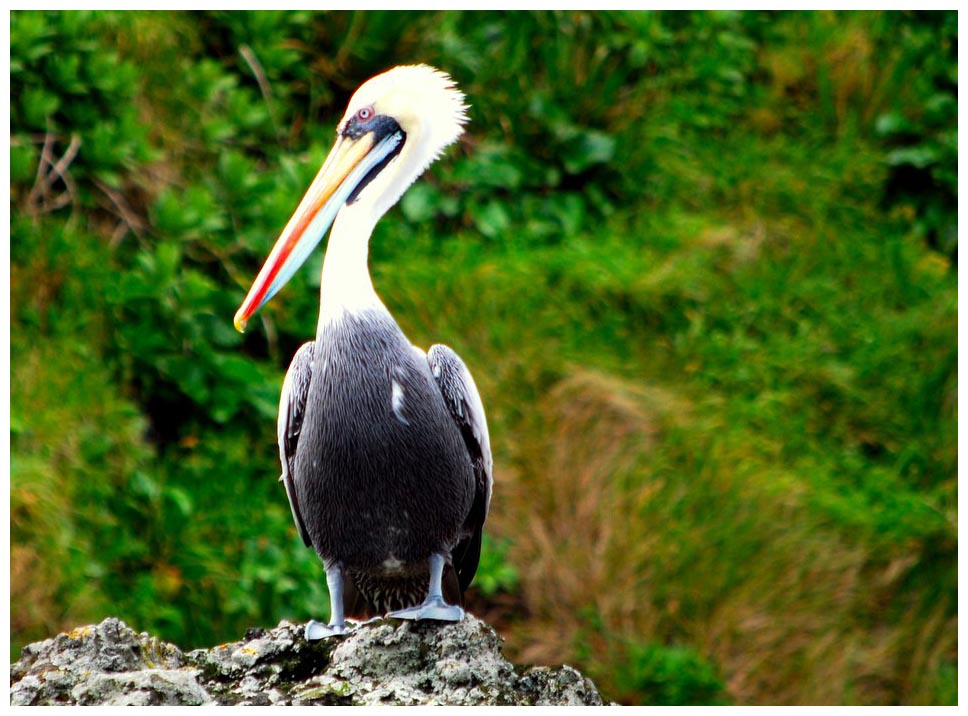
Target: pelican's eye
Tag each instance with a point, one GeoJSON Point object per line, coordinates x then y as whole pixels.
{"type": "Point", "coordinates": [365, 114]}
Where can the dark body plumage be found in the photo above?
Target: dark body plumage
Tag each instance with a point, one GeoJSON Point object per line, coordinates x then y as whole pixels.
{"type": "Point", "coordinates": [381, 473]}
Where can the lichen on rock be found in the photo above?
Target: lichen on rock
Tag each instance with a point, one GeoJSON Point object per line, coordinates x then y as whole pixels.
{"type": "Point", "coordinates": [383, 661]}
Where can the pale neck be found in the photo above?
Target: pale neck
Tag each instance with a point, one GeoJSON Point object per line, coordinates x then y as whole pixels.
{"type": "Point", "coordinates": [346, 286]}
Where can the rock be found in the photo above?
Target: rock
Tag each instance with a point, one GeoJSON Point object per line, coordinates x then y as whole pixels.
{"type": "Point", "coordinates": [107, 663]}
{"type": "Point", "coordinates": [383, 661]}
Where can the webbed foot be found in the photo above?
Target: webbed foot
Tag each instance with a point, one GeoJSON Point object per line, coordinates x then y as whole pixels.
{"type": "Point", "coordinates": [317, 630]}
{"type": "Point", "coordinates": [432, 608]}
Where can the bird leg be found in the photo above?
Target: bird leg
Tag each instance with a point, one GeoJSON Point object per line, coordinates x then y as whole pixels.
{"type": "Point", "coordinates": [434, 606]}
{"type": "Point", "coordinates": [337, 622]}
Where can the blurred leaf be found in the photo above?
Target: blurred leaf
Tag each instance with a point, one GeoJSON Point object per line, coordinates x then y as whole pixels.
{"type": "Point", "coordinates": [492, 219]}
{"type": "Point", "coordinates": [892, 123]}
{"type": "Point", "coordinates": [23, 163]}
{"type": "Point", "coordinates": [180, 500]}
{"type": "Point", "coordinates": [420, 203]}
{"type": "Point", "coordinates": [920, 156]}
{"type": "Point", "coordinates": [38, 106]}
{"type": "Point", "coordinates": [588, 149]}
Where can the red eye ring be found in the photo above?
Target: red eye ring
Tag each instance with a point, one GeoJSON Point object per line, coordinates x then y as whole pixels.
{"type": "Point", "coordinates": [365, 114]}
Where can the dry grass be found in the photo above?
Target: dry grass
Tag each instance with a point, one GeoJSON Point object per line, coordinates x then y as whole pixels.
{"type": "Point", "coordinates": [33, 589]}
{"type": "Point", "coordinates": [579, 534]}
{"type": "Point", "coordinates": [613, 550]}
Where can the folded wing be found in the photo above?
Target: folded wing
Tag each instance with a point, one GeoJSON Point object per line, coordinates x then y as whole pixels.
{"type": "Point", "coordinates": [292, 409]}
{"type": "Point", "coordinates": [464, 403]}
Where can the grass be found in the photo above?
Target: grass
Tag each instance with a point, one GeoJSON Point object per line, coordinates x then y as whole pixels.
{"type": "Point", "coordinates": [733, 508]}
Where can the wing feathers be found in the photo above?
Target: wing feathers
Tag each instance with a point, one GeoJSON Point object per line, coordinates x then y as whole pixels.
{"type": "Point", "coordinates": [464, 403]}
{"type": "Point", "coordinates": [292, 408]}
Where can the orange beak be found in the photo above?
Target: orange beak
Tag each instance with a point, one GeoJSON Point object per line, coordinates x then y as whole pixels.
{"type": "Point", "coordinates": [348, 163]}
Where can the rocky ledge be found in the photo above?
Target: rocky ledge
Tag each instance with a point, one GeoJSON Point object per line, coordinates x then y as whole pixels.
{"type": "Point", "coordinates": [381, 662]}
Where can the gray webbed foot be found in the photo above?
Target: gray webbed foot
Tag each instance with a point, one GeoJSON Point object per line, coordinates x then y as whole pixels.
{"type": "Point", "coordinates": [337, 626]}
{"type": "Point", "coordinates": [317, 630]}
{"type": "Point", "coordinates": [432, 608]}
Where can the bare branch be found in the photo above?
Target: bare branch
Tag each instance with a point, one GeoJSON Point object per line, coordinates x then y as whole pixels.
{"type": "Point", "coordinates": [260, 77]}
{"type": "Point", "coordinates": [48, 171]}
{"type": "Point", "coordinates": [129, 218]}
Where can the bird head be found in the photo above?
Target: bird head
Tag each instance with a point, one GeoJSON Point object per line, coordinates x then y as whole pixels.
{"type": "Point", "coordinates": [395, 126]}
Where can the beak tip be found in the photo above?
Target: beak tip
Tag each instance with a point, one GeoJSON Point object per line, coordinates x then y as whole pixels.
{"type": "Point", "coordinates": [239, 322]}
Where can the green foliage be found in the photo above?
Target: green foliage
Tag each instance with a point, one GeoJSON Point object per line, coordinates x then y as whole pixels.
{"type": "Point", "coordinates": [495, 573]}
{"type": "Point", "coordinates": [66, 84]}
{"type": "Point", "coordinates": [924, 159]}
{"type": "Point", "coordinates": [77, 448]}
{"type": "Point", "coordinates": [670, 676]}
{"type": "Point", "coordinates": [683, 253]}
{"type": "Point", "coordinates": [656, 675]}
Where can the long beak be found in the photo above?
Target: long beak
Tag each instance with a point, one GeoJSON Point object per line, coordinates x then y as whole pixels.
{"type": "Point", "coordinates": [349, 161]}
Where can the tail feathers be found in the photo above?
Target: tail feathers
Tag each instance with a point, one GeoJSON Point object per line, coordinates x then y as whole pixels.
{"type": "Point", "coordinates": [365, 596]}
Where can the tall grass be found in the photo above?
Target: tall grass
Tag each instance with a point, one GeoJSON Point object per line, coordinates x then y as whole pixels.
{"type": "Point", "coordinates": [731, 508]}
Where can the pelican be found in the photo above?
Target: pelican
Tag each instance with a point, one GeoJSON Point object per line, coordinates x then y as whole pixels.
{"type": "Point", "coordinates": [385, 453]}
